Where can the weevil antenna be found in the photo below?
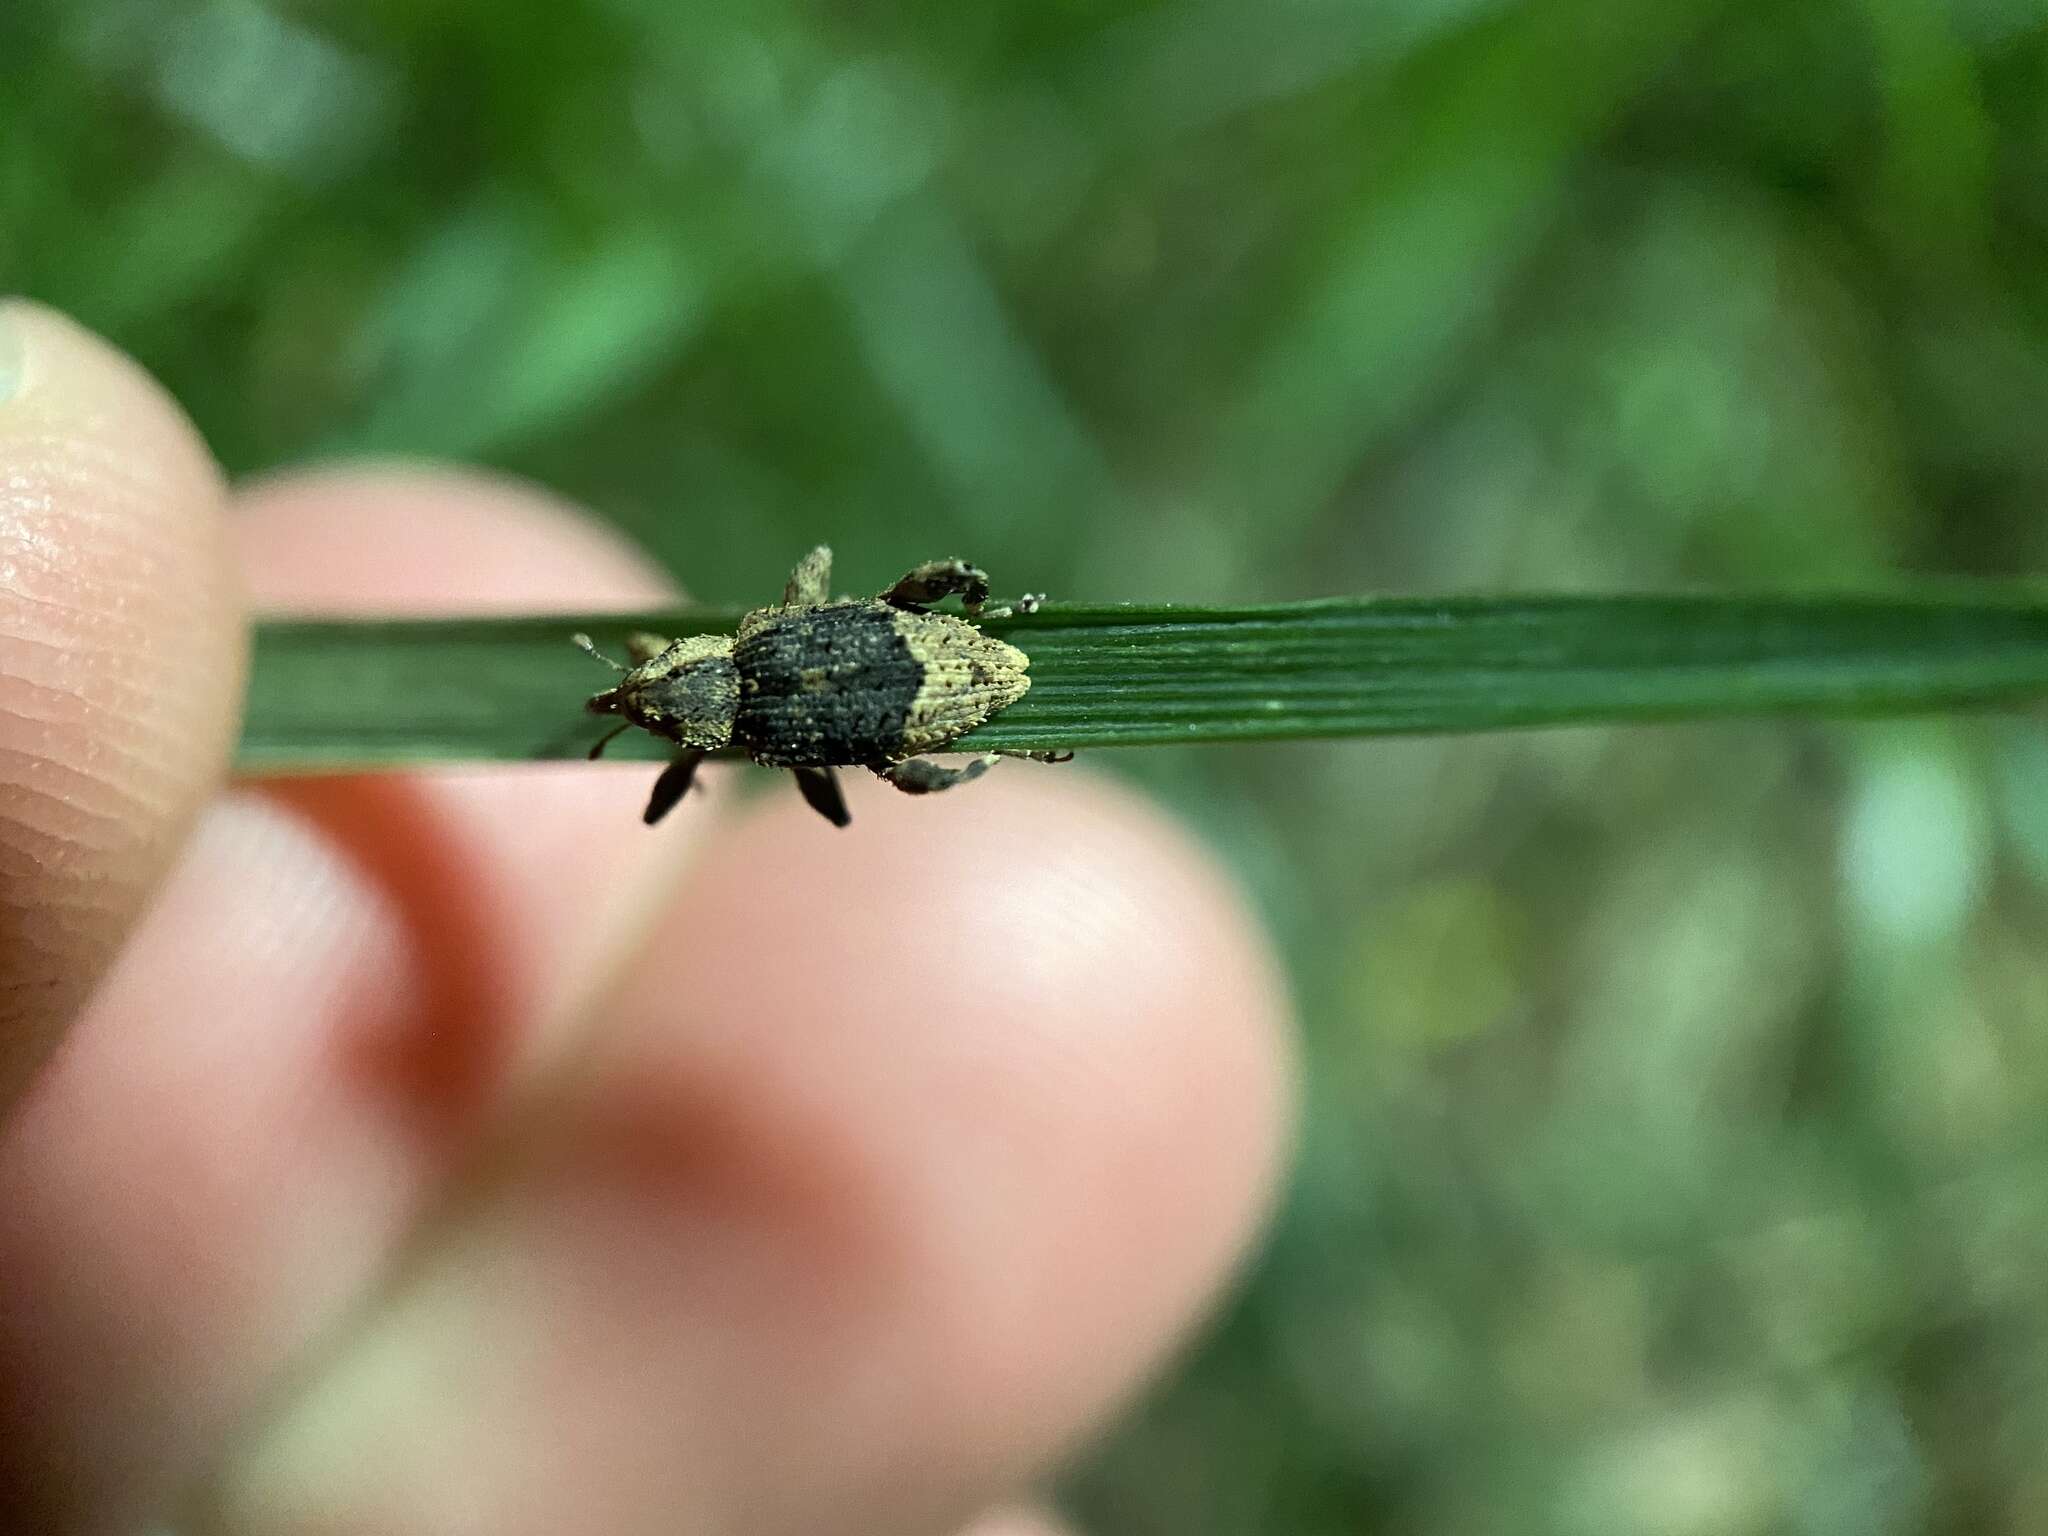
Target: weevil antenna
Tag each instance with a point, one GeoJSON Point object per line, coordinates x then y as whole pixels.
{"type": "Point", "coordinates": [607, 739]}
{"type": "Point", "coordinates": [584, 643]}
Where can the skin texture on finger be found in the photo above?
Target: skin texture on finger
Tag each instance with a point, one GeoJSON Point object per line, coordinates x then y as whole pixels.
{"type": "Point", "coordinates": [909, 1152]}
{"type": "Point", "coordinates": [343, 985]}
{"type": "Point", "coordinates": [120, 664]}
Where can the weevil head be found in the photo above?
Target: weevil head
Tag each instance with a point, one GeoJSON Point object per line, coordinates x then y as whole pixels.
{"type": "Point", "coordinates": [688, 694]}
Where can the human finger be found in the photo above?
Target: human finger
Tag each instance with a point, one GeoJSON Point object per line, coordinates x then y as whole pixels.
{"type": "Point", "coordinates": [1018, 1520]}
{"type": "Point", "coordinates": [342, 984]}
{"type": "Point", "coordinates": [908, 1152]}
{"type": "Point", "coordinates": [120, 663]}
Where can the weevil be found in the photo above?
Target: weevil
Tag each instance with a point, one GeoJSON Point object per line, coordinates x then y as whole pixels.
{"type": "Point", "coordinates": [816, 683]}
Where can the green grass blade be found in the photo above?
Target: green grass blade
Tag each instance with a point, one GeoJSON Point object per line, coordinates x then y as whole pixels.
{"type": "Point", "coordinates": [357, 694]}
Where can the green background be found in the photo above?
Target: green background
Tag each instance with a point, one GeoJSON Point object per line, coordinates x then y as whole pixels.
{"type": "Point", "coordinates": [1674, 1159]}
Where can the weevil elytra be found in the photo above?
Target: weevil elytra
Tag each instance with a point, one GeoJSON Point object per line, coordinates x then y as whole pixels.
{"type": "Point", "coordinates": [813, 683]}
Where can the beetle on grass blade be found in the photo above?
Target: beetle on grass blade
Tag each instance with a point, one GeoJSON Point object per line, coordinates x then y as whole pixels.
{"type": "Point", "coordinates": [815, 683]}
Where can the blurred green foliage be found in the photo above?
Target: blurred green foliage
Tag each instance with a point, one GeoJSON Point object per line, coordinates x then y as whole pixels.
{"type": "Point", "coordinates": [1674, 1158]}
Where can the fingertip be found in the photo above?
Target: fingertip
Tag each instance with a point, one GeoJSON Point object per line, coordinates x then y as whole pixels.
{"type": "Point", "coordinates": [908, 1152]}
{"type": "Point", "coordinates": [398, 537]}
{"type": "Point", "coordinates": [343, 987]}
{"type": "Point", "coordinates": [1067, 986]}
{"type": "Point", "coordinates": [121, 660]}
{"type": "Point", "coordinates": [1002, 1078]}
{"type": "Point", "coordinates": [1018, 1522]}
{"type": "Point", "coordinates": [556, 848]}
{"type": "Point", "coordinates": [1055, 906]}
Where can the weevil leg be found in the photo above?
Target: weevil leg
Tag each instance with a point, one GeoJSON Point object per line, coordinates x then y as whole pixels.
{"type": "Point", "coordinates": [935, 579]}
{"type": "Point", "coordinates": [588, 646]}
{"type": "Point", "coordinates": [820, 789]}
{"type": "Point", "coordinates": [811, 581]}
{"type": "Point", "coordinates": [670, 788]}
{"type": "Point", "coordinates": [642, 647]}
{"type": "Point", "coordinates": [922, 776]}
{"type": "Point", "coordinates": [1040, 757]}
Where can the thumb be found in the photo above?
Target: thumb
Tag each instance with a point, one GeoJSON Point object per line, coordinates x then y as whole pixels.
{"type": "Point", "coordinates": [120, 662]}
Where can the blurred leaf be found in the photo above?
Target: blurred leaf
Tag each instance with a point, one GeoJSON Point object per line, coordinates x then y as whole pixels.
{"type": "Point", "coordinates": [495, 344]}
{"type": "Point", "coordinates": [1461, 164]}
{"type": "Point", "coordinates": [335, 694]}
{"type": "Point", "coordinates": [1935, 185]}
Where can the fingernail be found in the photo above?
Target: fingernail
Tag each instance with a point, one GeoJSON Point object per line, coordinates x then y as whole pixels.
{"type": "Point", "coordinates": [12, 358]}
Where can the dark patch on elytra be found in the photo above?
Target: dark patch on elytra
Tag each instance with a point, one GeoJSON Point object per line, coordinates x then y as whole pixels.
{"type": "Point", "coordinates": [811, 683]}
{"type": "Point", "coordinates": [832, 684]}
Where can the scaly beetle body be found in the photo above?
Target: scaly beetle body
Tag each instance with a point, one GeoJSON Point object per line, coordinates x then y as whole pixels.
{"type": "Point", "coordinates": [813, 684]}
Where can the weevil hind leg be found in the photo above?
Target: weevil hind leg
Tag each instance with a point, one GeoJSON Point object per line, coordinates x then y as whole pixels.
{"type": "Point", "coordinates": [936, 579]}
{"type": "Point", "coordinates": [821, 792]}
{"type": "Point", "coordinates": [670, 788]}
{"type": "Point", "coordinates": [811, 581]}
{"type": "Point", "coordinates": [1039, 757]}
{"type": "Point", "coordinates": [922, 776]}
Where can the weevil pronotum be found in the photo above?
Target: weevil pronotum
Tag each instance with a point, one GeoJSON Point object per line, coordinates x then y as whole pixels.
{"type": "Point", "coordinates": [812, 684]}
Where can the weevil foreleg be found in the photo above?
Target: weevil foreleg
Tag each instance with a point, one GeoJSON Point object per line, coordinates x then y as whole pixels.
{"type": "Point", "coordinates": [935, 579]}
{"type": "Point", "coordinates": [820, 789]}
{"type": "Point", "coordinates": [670, 788]}
{"type": "Point", "coordinates": [642, 647]}
{"type": "Point", "coordinates": [811, 581]}
{"type": "Point", "coordinates": [608, 738]}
